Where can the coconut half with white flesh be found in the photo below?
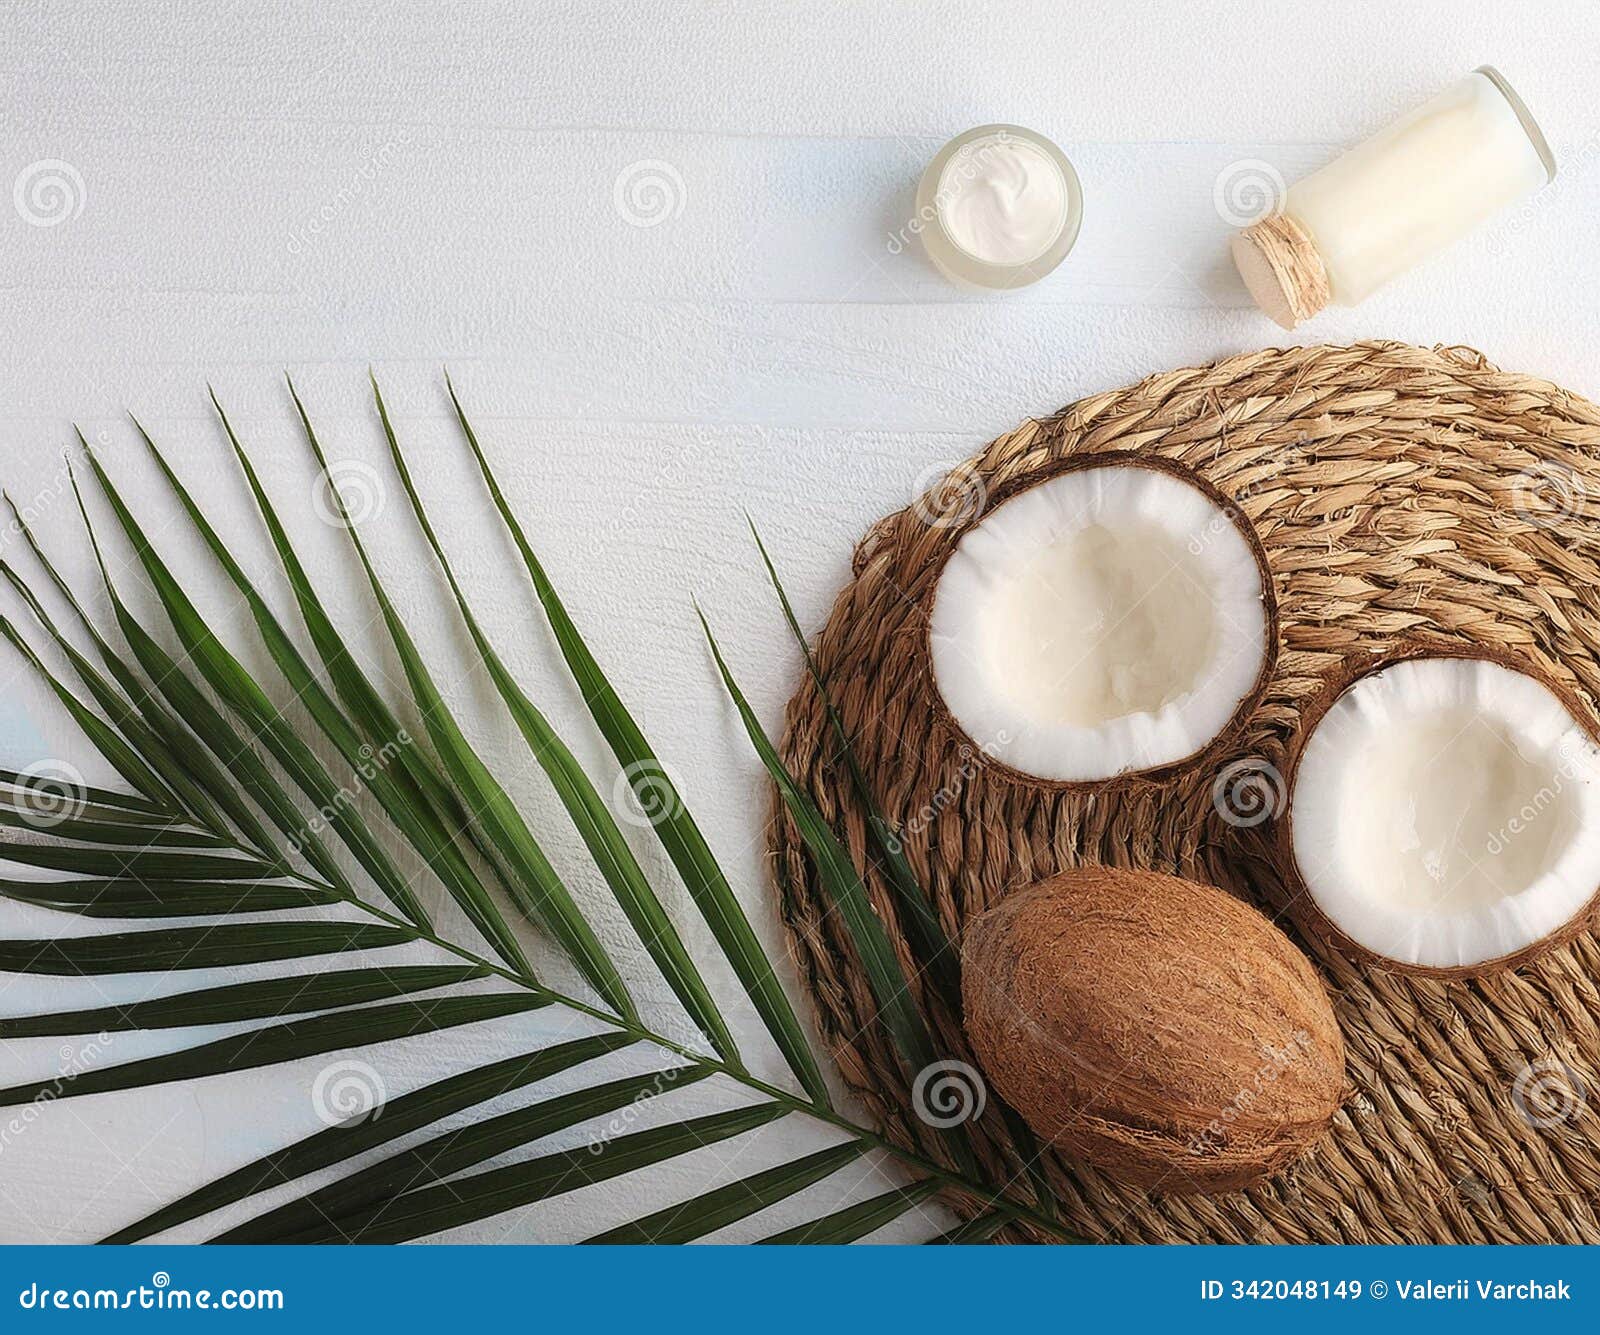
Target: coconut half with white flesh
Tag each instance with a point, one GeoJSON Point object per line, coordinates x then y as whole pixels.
{"type": "Point", "coordinates": [1111, 617]}
{"type": "Point", "coordinates": [1444, 813]}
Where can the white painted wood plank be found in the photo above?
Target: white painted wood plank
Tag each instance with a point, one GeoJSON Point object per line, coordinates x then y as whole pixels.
{"type": "Point", "coordinates": [322, 187]}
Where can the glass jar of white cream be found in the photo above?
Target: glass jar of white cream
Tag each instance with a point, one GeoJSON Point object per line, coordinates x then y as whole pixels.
{"type": "Point", "coordinates": [1394, 201]}
{"type": "Point", "coordinates": [999, 207]}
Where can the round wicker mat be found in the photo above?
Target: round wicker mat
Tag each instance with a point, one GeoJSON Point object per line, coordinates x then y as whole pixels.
{"type": "Point", "coordinates": [1398, 490]}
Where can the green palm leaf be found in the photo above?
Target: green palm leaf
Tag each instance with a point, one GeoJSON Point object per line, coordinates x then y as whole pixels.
{"type": "Point", "coordinates": [151, 736]}
{"type": "Point", "coordinates": [89, 826]}
{"type": "Point", "coordinates": [131, 898]}
{"type": "Point", "coordinates": [890, 989]}
{"type": "Point", "coordinates": [738, 1200]}
{"type": "Point", "coordinates": [133, 808]}
{"type": "Point", "coordinates": [228, 678]}
{"type": "Point", "coordinates": [209, 831]}
{"type": "Point", "coordinates": [599, 830]}
{"type": "Point", "coordinates": [340, 1209]}
{"type": "Point", "coordinates": [855, 1221]}
{"type": "Point", "coordinates": [467, 1200]}
{"type": "Point", "coordinates": [234, 758]}
{"type": "Point", "coordinates": [401, 1116]}
{"type": "Point", "coordinates": [196, 777]}
{"type": "Point", "coordinates": [143, 864]}
{"type": "Point", "coordinates": [194, 947]}
{"type": "Point", "coordinates": [268, 998]}
{"type": "Point", "coordinates": [541, 891]}
{"type": "Point", "coordinates": [934, 952]}
{"type": "Point", "coordinates": [283, 1043]}
{"type": "Point", "coordinates": [107, 741]}
{"type": "Point", "coordinates": [671, 820]}
{"type": "Point", "coordinates": [361, 698]}
{"type": "Point", "coordinates": [368, 755]}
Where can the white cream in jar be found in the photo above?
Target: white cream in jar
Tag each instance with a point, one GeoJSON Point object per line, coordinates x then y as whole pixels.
{"type": "Point", "coordinates": [999, 207]}
{"type": "Point", "coordinates": [1395, 200]}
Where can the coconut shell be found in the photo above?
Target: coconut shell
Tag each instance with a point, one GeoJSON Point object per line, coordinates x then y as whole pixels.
{"type": "Point", "coordinates": [1155, 1028]}
{"type": "Point", "coordinates": [1073, 463]}
{"type": "Point", "coordinates": [1296, 895]}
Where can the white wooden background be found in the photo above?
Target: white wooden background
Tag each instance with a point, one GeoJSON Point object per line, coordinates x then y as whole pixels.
{"type": "Point", "coordinates": [316, 187]}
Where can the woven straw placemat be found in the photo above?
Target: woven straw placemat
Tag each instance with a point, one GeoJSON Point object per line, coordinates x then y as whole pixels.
{"type": "Point", "coordinates": [1397, 490]}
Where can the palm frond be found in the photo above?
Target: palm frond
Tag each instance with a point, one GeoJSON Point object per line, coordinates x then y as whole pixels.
{"type": "Point", "coordinates": [856, 1221]}
{"type": "Point", "coordinates": [395, 786]}
{"type": "Point", "coordinates": [935, 955]}
{"type": "Point", "coordinates": [190, 773]}
{"type": "Point", "coordinates": [227, 676]}
{"type": "Point", "coordinates": [110, 743]}
{"type": "Point", "coordinates": [589, 814]}
{"type": "Point", "coordinates": [275, 1044]}
{"type": "Point", "coordinates": [711, 1210]}
{"type": "Point", "coordinates": [415, 1214]}
{"type": "Point", "coordinates": [401, 1116]}
{"type": "Point", "coordinates": [265, 999]}
{"type": "Point", "coordinates": [934, 952]}
{"type": "Point", "coordinates": [173, 948]}
{"type": "Point", "coordinates": [671, 820]}
{"type": "Point", "coordinates": [891, 990]}
{"type": "Point", "coordinates": [28, 787]}
{"type": "Point", "coordinates": [140, 898]}
{"type": "Point", "coordinates": [364, 1199]}
{"type": "Point", "coordinates": [539, 889]}
{"type": "Point", "coordinates": [221, 826]}
{"type": "Point", "coordinates": [189, 770]}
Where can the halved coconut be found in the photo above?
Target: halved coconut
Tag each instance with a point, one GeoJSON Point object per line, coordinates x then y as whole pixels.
{"type": "Point", "coordinates": [1114, 616]}
{"type": "Point", "coordinates": [1444, 813]}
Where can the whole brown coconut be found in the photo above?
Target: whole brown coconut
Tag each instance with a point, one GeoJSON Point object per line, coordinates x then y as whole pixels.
{"type": "Point", "coordinates": [1153, 1027]}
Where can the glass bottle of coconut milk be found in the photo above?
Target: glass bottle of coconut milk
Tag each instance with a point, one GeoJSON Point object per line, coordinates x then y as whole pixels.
{"type": "Point", "coordinates": [1396, 200]}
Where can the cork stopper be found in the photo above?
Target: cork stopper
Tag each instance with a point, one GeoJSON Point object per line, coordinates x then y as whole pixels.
{"type": "Point", "coordinates": [1280, 265]}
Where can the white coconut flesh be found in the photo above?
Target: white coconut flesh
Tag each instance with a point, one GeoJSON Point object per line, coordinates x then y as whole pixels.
{"type": "Point", "coordinates": [1446, 813]}
{"type": "Point", "coordinates": [1108, 620]}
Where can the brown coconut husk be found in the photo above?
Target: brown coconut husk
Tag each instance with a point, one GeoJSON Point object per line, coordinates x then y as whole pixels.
{"type": "Point", "coordinates": [1154, 1027]}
